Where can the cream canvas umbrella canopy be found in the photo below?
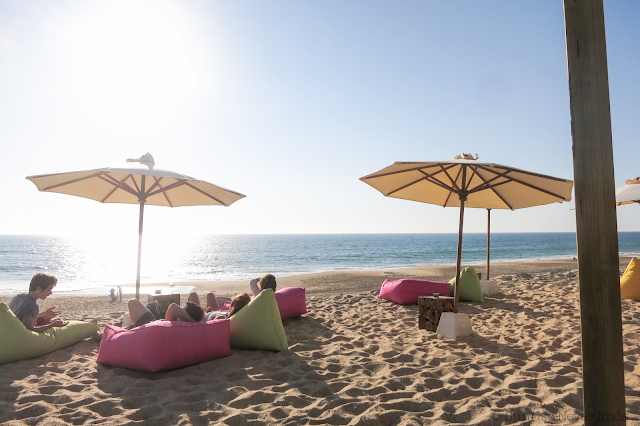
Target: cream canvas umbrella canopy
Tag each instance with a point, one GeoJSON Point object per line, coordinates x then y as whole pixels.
{"type": "Point", "coordinates": [467, 182]}
{"type": "Point", "coordinates": [628, 194]}
{"type": "Point", "coordinates": [142, 183]}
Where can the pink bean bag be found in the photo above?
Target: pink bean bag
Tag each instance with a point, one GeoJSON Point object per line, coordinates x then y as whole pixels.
{"type": "Point", "coordinates": [292, 302]}
{"type": "Point", "coordinates": [164, 345]}
{"type": "Point", "coordinates": [407, 291]}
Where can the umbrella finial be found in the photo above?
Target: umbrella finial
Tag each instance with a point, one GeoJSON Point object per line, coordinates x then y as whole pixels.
{"type": "Point", "coordinates": [633, 181]}
{"type": "Point", "coordinates": [465, 156]}
{"type": "Point", "coordinates": [147, 158]}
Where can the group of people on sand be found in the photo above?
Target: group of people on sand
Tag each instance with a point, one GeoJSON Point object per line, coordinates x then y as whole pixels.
{"type": "Point", "coordinates": [26, 309]}
{"type": "Point", "coordinates": [193, 311]}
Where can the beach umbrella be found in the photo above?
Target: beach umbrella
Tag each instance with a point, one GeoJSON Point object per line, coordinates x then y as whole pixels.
{"type": "Point", "coordinates": [628, 194]}
{"type": "Point", "coordinates": [141, 183]}
{"type": "Point", "coordinates": [467, 182]}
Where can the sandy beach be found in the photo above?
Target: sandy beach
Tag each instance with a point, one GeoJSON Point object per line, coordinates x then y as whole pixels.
{"type": "Point", "coordinates": [354, 359]}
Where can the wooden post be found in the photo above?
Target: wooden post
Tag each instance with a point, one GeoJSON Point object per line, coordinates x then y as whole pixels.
{"type": "Point", "coordinates": [462, 195]}
{"type": "Point", "coordinates": [139, 249]}
{"type": "Point", "coordinates": [456, 299]}
{"type": "Point", "coordinates": [142, 200]}
{"type": "Point", "coordinates": [597, 235]}
{"type": "Point", "coordinates": [488, 240]}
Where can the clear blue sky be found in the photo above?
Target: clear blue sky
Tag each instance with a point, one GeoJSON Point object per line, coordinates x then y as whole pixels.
{"type": "Point", "coordinates": [290, 102]}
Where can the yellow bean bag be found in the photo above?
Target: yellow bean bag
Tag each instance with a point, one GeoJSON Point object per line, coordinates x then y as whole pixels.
{"type": "Point", "coordinates": [17, 342]}
{"type": "Point", "coordinates": [630, 281]}
{"type": "Point", "coordinates": [258, 325]}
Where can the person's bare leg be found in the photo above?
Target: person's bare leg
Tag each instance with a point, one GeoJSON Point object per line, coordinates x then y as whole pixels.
{"type": "Point", "coordinates": [193, 298]}
{"type": "Point", "coordinates": [212, 303]}
{"type": "Point", "coordinates": [136, 309]}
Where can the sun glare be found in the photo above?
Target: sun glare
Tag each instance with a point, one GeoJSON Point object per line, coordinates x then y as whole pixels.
{"type": "Point", "coordinates": [132, 65]}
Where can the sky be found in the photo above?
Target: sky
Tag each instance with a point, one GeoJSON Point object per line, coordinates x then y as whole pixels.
{"type": "Point", "coordinates": [290, 103]}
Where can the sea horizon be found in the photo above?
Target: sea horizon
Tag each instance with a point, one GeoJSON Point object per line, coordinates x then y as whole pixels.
{"type": "Point", "coordinates": [90, 265]}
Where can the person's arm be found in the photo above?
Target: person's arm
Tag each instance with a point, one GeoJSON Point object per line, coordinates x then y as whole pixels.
{"type": "Point", "coordinates": [253, 285]}
{"type": "Point", "coordinates": [176, 313]}
{"type": "Point", "coordinates": [30, 323]}
{"type": "Point", "coordinates": [49, 314]}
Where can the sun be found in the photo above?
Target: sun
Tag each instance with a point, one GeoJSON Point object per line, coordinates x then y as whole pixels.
{"type": "Point", "coordinates": [131, 65]}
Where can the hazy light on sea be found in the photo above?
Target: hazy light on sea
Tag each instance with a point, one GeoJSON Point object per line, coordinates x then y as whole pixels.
{"type": "Point", "coordinates": [91, 263]}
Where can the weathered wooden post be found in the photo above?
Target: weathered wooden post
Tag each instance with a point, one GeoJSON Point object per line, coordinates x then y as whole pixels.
{"type": "Point", "coordinates": [597, 235]}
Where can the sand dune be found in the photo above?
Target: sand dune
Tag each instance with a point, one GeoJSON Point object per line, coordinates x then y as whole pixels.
{"type": "Point", "coordinates": [354, 359]}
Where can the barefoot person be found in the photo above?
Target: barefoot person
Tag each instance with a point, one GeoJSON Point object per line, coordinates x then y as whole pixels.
{"type": "Point", "coordinates": [213, 311]}
{"type": "Point", "coordinates": [141, 314]}
{"type": "Point", "coordinates": [26, 309]}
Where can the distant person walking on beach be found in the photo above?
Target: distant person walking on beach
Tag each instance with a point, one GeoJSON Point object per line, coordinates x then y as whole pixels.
{"type": "Point", "coordinates": [119, 294]}
{"type": "Point", "coordinates": [258, 284]}
{"type": "Point", "coordinates": [26, 309]}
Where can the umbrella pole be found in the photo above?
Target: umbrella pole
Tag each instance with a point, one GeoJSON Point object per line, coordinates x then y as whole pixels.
{"type": "Point", "coordinates": [458, 262]}
{"type": "Point", "coordinates": [139, 249]}
{"type": "Point", "coordinates": [488, 239]}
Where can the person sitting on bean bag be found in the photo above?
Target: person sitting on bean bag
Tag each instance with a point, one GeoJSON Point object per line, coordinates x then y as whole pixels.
{"type": "Point", "coordinates": [26, 309]}
{"type": "Point", "coordinates": [258, 284]}
{"type": "Point", "coordinates": [213, 310]}
{"type": "Point", "coordinates": [141, 314]}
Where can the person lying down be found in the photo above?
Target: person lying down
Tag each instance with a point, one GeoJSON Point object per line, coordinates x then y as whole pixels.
{"type": "Point", "coordinates": [192, 311]}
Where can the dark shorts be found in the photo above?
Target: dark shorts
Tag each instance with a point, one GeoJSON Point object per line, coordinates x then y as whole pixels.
{"type": "Point", "coordinates": [146, 318]}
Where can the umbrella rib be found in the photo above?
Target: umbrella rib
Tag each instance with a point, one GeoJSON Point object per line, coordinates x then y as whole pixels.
{"type": "Point", "coordinates": [113, 181]}
{"type": "Point", "coordinates": [426, 177]}
{"type": "Point", "coordinates": [406, 170]}
{"type": "Point", "coordinates": [511, 169]}
{"type": "Point", "coordinates": [164, 192]}
{"type": "Point", "coordinates": [487, 183]}
{"type": "Point", "coordinates": [135, 184]}
{"type": "Point", "coordinates": [451, 191]}
{"type": "Point", "coordinates": [492, 189]}
{"type": "Point", "coordinates": [204, 193]}
{"type": "Point", "coordinates": [536, 187]}
{"type": "Point", "coordinates": [72, 181]}
{"type": "Point", "coordinates": [474, 172]}
{"type": "Point", "coordinates": [405, 186]}
{"type": "Point", "coordinates": [156, 182]}
{"type": "Point", "coordinates": [166, 188]}
{"type": "Point", "coordinates": [432, 179]}
{"type": "Point", "coordinates": [454, 185]}
{"type": "Point", "coordinates": [113, 190]}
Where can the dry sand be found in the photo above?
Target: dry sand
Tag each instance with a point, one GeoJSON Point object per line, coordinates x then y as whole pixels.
{"type": "Point", "coordinates": [353, 359]}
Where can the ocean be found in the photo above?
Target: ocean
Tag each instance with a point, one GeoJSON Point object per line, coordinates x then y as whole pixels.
{"type": "Point", "coordinates": [89, 265]}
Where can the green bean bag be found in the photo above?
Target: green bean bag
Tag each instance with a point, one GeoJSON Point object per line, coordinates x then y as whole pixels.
{"type": "Point", "coordinates": [470, 287]}
{"type": "Point", "coordinates": [17, 342]}
{"type": "Point", "coordinates": [258, 325]}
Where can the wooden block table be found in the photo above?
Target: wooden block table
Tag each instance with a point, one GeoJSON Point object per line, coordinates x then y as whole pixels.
{"type": "Point", "coordinates": [430, 308]}
{"type": "Point", "coordinates": [165, 299]}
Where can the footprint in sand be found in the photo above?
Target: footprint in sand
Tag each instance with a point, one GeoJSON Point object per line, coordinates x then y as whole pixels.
{"type": "Point", "coordinates": [396, 395]}
{"type": "Point", "coordinates": [510, 400]}
{"type": "Point", "coordinates": [105, 408]}
{"type": "Point", "coordinates": [523, 384]}
{"type": "Point", "coordinates": [405, 371]}
{"type": "Point", "coordinates": [474, 382]}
